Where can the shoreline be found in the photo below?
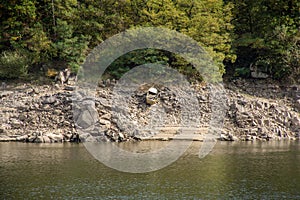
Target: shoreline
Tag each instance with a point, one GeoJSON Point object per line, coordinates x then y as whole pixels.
{"type": "Point", "coordinates": [156, 139]}
{"type": "Point", "coordinates": [259, 110]}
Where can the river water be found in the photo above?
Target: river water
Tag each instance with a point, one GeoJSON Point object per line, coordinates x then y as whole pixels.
{"type": "Point", "coordinates": [238, 170]}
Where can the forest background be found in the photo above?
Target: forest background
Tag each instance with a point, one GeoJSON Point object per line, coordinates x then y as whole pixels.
{"type": "Point", "coordinates": [41, 37]}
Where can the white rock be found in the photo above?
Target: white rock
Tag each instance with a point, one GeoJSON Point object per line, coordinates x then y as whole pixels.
{"type": "Point", "coordinates": [121, 136]}
{"type": "Point", "coordinates": [55, 137]}
{"type": "Point", "coordinates": [257, 74]}
{"type": "Point", "coordinates": [152, 90]}
{"type": "Point", "coordinates": [105, 122]}
{"type": "Point", "coordinates": [106, 116]}
{"type": "Point", "coordinates": [151, 96]}
{"type": "Point", "coordinates": [46, 139]}
{"type": "Point", "coordinates": [22, 138]}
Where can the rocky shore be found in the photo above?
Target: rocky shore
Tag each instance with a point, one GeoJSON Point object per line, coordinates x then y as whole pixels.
{"type": "Point", "coordinates": [262, 110]}
{"type": "Point", "coordinates": [255, 110]}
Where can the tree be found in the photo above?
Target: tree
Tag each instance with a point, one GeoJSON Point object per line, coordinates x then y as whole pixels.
{"type": "Point", "coordinates": [61, 33]}
{"type": "Point", "coordinates": [268, 35]}
{"type": "Point", "coordinates": [208, 22]}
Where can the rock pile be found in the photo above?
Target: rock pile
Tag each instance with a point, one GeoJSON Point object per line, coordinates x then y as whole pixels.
{"type": "Point", "coordinates": [120, 115]}
{"type": "Point", "coordinates": [36, 114]}
{"type": "Point", "coordinates": [270, 114]}
{"type": "Point", "coordinates": [58, 113]}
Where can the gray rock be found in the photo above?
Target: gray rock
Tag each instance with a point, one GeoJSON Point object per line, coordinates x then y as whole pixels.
{"type": "Point", "coordinates": [55, 137]}
{"type": "Point", "coordinates": [259, 75]}
{"type": "Point", "coordinates": [104, 102]}
{"type": "Point", "coordinates": [106, 116]}
{"type": "Point", "coordinates": [87, 119]}
{"type": "Point", "coordinates": [297, 104]}
{"type": "Point", "coordinates": [296, 122]}
{"type": "Point", "coordinates": [107, 82]}
{"type": "Point", "coordinates": [4, 138]}
{"type": "Point", "coordinates": [49, 100]}
{"type": "Point", "coordinates": [57, 112]}
{"type": "Point", "coordinates": [39, 139]}
{"type": "Point", "coordinates": [105, 122]}
{"type": "Point", "coordinates": [32, 138]}
{"type": "Point", "coordinates": [248, 138]}
{"type": "Point", "coordinates": [46, 139]}
{"type": "Point", "coordinates": [3, 85]}
{"type": "Point", "coordinates": [22, 138]}
{"type": "Point", "coordinates": [121, 137]}
{"type": "Point", "coordinates": [6, 94]}
{"type": "Point", "coordinates": [86, 137]}
{"type": "Point", "coordinates": [228, 137]}
{"type": "Point", "coordinates": [69, 88]}
{"type": "Point", "coordinates": [266, 122]}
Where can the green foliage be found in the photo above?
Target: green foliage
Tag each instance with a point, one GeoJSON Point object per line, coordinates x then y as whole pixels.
{"type": "Point", "coordinates": [135, 58]}
{"type": "Point", "coordinates": [67, 47]}
{"type": "Point", "coordinates": [211, 26]}
{"type": "Point", "coordinates": [207, 22]}
{"type": "Point", "coordinates": [65, 31]}
{"type": "Point", "coordinates": [145, 56]}
{"type": "Point", "coordinates": [285, 52]}
{"type": "Point", "coordinates": [242, 72]}
{"type": "Point", "coordinates": [268, 32]}
{"type": "Point", "coordinates": [263, 33]}
{"type": "Point", "coordinates": [46, 30]}
{"type": "Point", "coordinates": [13, 64]}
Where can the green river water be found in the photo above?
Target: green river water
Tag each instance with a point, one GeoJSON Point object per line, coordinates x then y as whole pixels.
{"type": "Point", "coordinates": [238, 170]}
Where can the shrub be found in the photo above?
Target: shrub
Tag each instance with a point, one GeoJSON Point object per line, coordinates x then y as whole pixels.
{"type": "Point", "coordinates": [242, 72]}
{"type": "Point", "coordinates": [13, 64]}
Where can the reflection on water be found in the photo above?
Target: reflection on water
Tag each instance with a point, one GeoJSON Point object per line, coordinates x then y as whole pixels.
{"type": "Point", "coordinates": [140, 157]}
{"type": "Point", "coordinates": [233, 170]}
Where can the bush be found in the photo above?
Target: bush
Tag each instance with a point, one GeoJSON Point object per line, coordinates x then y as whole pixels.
{"type": "Point", "coordinates": [242, 72]}
{"type": "Point", "coordinates": [13, 64]}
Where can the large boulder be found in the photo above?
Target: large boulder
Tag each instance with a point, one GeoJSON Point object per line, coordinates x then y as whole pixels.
{"type": "Point", "coordinates": [55, 137]}
{"type": "Point", "coordinates": [87, 119]}
{"type": "Point", "coordinates": [22, 138]}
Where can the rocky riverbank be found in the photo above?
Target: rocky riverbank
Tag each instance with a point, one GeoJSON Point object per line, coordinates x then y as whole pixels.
{"type": "Point", "coordinates": [262, 110]}
{"type": "Point", "coordinates": [255, 110]}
